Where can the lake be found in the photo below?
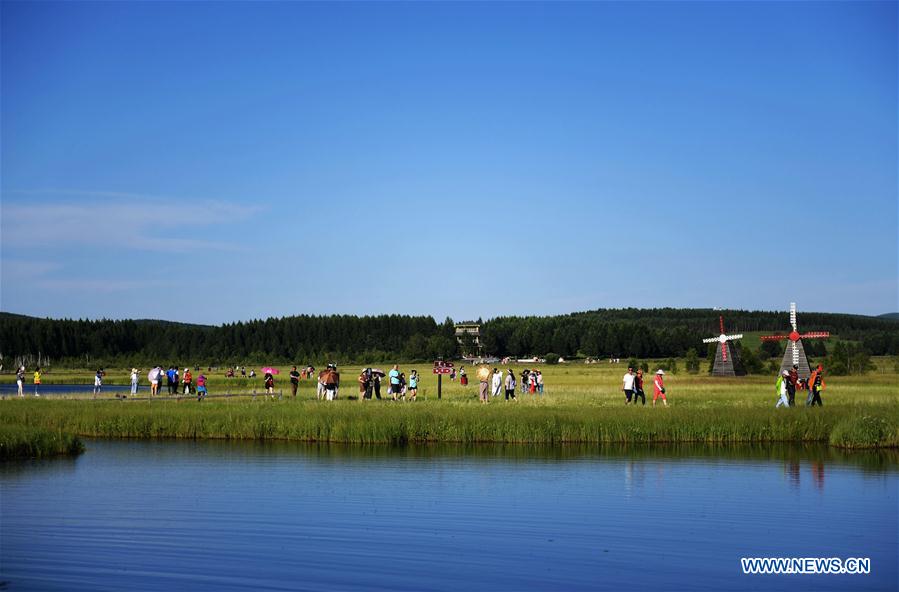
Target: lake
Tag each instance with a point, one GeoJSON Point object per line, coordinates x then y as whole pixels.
{"type": "Point", "coordinates": [152, 515]}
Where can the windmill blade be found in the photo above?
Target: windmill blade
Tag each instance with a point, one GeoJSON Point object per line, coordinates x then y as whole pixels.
{"type": "Point", "coordinates": [774, 337]}
{"type": "Point", "coordinates": [815, 335]}
{"type": "Point", "coordinates": [795, 353]}
{"type": "Point", "coordinates": [710, 340]}
{"type": "Point", "coordinates": [793, 315]}
{"type": "Point", "coordinates": [733, 337]}
{"type": "Point", "coordinates": [721, 320]}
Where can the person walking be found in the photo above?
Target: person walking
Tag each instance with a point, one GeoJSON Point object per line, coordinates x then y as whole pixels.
{"type": "Point", "coordinates": [496, 382]}
{"type": "Point", "coordinates": [332, 382]}
{"type": "Point", "coordinates": [171, 376]}
{"type": "Point", "coordinates": [154, 380]}
{"type": "Point", "coordinates": [376, 384]}
{"type": "Point", "coordinates": [815, 386]}
{"type": "Point", "coordinates": [780, 389]}
{"type": "Point", "coordinates": [539, 382]}
{"type": "Point", "coordinates": [269, 381]}
{"type": "Point", "coordinates": [201, 387]}
{"type": "Point", "coordinates": [98, 381]}
{"type": "Point", "coordinates": [413, 385]}
{"type": "Point", "coordinates": [659, 387]}
{"type": "Point", "coordinates": [20, 380]}
{"type": "Point", "coordinates": [532, 382]}
{"type": "Point", "coordinates": [364, 380]}
{"type": "Point", "coordinates": [37, 381]}
{"type": "Point", "coordinates": [524, 380]}
{"type": "Point", "coordinates": [791, 384]}
{"type": "Point", "coordinates": [320, 388]}
{"type": "Point", "coordinates": [638, 387]}
{"type": "Point", "coordinates": [628, 385]}
{"type": "Point", "coordinates": [294, 381]}
{"type": "Point", "coordinates": [483, 383]}
{"type": "Point", "coordinates": [510, 385]}
{"type": "Point", "coordinates": [403, 385]}
{"type": "Point", "coordinates": [134, 377]}
{"type": "Point", "coordinates": [394, 381]}
{"type": "Point", "coordinates": [188, 381]}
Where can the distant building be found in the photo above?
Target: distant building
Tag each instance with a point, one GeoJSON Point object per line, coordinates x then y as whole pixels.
{"type": "Point", "coordinates": [469, 335]}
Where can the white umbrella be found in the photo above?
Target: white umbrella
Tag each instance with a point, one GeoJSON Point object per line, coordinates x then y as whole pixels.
{"type": "Point", "coordinates": [153, 374]}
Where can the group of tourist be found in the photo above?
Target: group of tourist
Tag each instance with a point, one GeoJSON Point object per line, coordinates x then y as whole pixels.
{"type": "Point", "coordinates": [398, 386]}
{"type": "Point", "coordinates": [175, 382]}
{"type": "Point", "coordinates": [789, 382]}
{"type": "Point", "coordinates": [633, 387]}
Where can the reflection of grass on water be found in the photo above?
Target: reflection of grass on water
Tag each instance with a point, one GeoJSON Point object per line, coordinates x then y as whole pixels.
{"type": "Point", "coordinates": [18, 441]}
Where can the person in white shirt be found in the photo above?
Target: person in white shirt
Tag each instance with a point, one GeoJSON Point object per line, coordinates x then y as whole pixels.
{"type": "Point", "coordinates": [497, 382]}
{"type": "Point", "coordinates": [628, 387]}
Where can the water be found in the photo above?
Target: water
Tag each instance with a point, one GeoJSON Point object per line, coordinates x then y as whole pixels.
{"type": "Point", "coordinates": [222, 516]}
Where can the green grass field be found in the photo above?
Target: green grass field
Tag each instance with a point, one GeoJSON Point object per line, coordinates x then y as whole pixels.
{"type": "Point", "coordinates": [582, 403]}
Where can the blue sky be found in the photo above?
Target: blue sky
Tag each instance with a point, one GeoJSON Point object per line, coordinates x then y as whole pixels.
{"type": "Point", "coordinates": [211, 162]}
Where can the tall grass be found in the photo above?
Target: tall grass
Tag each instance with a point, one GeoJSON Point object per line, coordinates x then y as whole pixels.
{"type": "Point", "coordinates": [352, 422]}
{"type": "Point", "coordinates": [23, 441]}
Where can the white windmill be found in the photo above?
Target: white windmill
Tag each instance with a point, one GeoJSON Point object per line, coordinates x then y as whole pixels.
{"type": "Point", "coordinates": [795, 353]}
{"type": "Point", "coordinates": [726, 362]}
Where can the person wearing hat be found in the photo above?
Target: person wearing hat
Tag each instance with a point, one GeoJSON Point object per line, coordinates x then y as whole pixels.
{"type": "Point", "coordinates": [483, 386]}
{"type": "Point", "coordinates": [20, 381]}
{"type": "Point", "coordinates": [781, 389]}
{"type": "Point", "coordinates": [134, 372]}
{"type": "Point", "coordinates": [659, 386]}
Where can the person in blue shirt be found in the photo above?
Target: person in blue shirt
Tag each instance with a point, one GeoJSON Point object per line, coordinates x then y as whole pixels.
{"type": "Point", "coordinates": [395, 381]}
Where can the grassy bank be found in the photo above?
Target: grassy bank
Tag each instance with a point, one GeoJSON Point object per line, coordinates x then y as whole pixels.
{"type": "Point", "coordinates": [583, 403]}
{"type": "Point", "coordinates": [849, 426]}
{"type": "Point", "coordinates": [25, 441]}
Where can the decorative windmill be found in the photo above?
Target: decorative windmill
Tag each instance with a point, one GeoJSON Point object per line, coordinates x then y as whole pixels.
{"type": "Point", "coordinates": [726, 361]}
{"type": "Point", "coordinates": [795, 353]}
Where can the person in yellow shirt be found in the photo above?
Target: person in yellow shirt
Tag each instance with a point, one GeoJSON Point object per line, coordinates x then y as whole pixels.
{"type": "Point", "coordinates": [37, 381]}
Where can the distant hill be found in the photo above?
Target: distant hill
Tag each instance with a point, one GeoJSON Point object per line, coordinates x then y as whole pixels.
{"type": "Point", "coordinates": [155, 322]}
{"type": "Point", "coordinates": [892, 316]}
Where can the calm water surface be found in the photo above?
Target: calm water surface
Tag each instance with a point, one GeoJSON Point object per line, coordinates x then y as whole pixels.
{"type": "Point", "coordinates": [225, 516]}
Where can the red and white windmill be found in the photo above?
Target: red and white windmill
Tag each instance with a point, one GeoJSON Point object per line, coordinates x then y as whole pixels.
{"type": "Point", "coordinates": [726, 363]}
{"type": "Point", "coordinates": [795, 353]}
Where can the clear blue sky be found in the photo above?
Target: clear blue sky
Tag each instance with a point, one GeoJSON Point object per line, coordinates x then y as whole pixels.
{"type": "Point", "coordinates": [211, 162]}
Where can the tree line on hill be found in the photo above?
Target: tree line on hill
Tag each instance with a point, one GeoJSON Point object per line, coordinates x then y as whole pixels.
{"type": "Point", "coordinates": [640, 333]}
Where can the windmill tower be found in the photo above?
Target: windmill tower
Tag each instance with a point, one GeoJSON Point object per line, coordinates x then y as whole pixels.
{"type": "Point", "coordinates": [795, 353]}
{"type": "Point", "coordinates": [726, 361]}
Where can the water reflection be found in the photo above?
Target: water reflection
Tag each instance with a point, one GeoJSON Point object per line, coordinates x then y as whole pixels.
{"type": "Point", "coordinates": [281, 515]}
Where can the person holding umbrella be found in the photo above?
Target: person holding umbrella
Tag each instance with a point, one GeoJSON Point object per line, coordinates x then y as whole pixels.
{"type": "Point", "coordinates": [153, 377]}
{"type": "Point", "coordinates": [483, 386]}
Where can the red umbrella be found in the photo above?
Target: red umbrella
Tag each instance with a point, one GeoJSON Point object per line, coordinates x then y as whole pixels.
{"type": "Point", "coordinates": [270, 370]}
